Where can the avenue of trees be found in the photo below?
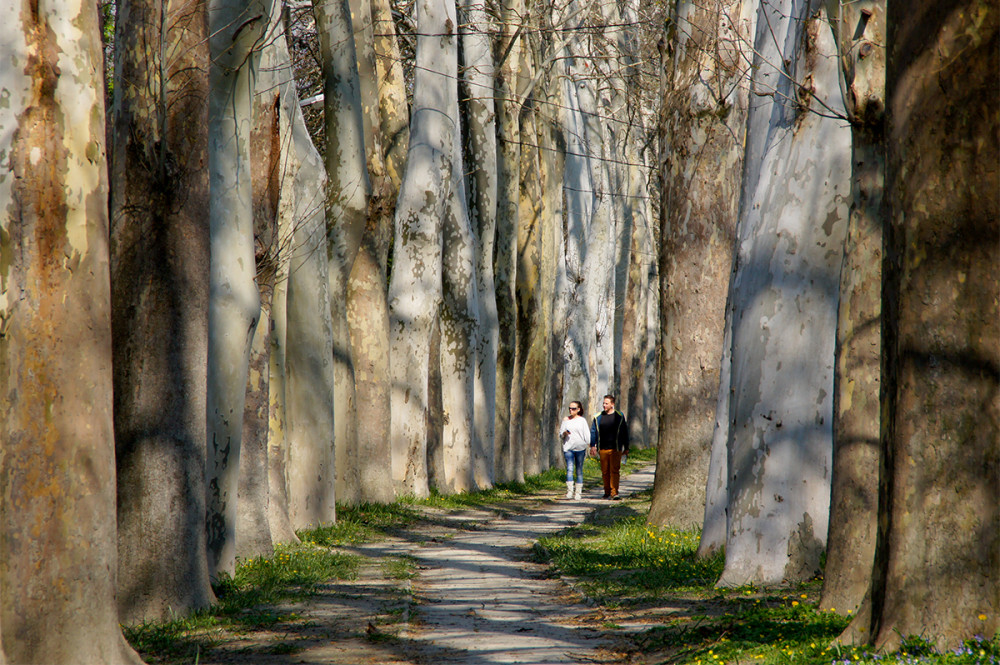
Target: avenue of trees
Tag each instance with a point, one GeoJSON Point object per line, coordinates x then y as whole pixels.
{"type": "Point", "coordinates": [258, 258]}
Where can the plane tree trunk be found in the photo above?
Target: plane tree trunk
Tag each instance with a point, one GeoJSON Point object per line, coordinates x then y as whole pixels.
{"type": "Point", "coordinates": [159, 289]}
{"type": "Point", "coordinates": [58, 536]}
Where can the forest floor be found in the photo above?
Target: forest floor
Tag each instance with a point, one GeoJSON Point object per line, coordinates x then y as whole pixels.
{"type": "Point", "coordinates": [454, 587]}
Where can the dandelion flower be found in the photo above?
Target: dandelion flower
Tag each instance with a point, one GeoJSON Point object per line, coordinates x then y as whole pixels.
{"type": "Point", "coordinates": [795, 603]}
{"type": "Point", "coordinates": [982, 617]}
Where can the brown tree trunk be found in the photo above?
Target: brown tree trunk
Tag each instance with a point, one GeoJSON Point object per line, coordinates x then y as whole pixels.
{"type": "Point", "coordinates": [859, 29]}
{"type": "Point", "coordinates": [159, 288]}
{"type": "Point", "coordinates": [704, 119]}
{"type": "Point", "coordinates": [937, 557]}
{"type": "Point", "coordinates": [58, 537]}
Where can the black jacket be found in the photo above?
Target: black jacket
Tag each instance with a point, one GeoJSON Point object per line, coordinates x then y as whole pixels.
{"type": "Point", "coordinates": [621, 433]}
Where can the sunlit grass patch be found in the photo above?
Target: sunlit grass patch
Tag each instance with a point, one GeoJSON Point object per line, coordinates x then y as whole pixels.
{"type": "Point", "coordinates": [362, 523]}
{"type": "Point", "coordinates": [628, 561]}
{"type": "Point", "coordinates": [246, 602]}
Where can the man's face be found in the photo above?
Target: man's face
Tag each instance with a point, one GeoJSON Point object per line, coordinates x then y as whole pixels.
{"type": "Point", "coordinates": [609, 406]}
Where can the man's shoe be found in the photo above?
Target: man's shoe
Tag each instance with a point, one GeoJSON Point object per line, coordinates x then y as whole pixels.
{"type": "Point", "coordinates": [615, 497]}
{"type": "Point", "coordinates": [606, 496]}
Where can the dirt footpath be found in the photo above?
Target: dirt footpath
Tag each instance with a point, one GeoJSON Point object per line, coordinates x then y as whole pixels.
{"type": "Point", "coordinates": [460, 588]}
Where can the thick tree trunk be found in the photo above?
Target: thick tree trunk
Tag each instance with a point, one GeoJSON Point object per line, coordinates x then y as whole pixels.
{"type": "Point", "coordinates": [859, 29]}
{"type": "Point", "coordinates": [58, 545]}
{"type": "Point", "coordinates": [367, 308]}
{"type": "Point", "coordinates": [415, 286]}
{"type": "Point", "coordinates": [159, 287]}
{"type": "Point", "coordinates": [937, 570]}
{"type": "Point", "coordinates": [308, 335]}
{"type": "Point", "coordinates": [347, 195]}
{"type": "Point", "coordinates": [459, 320]}
{"type": "Point", "coordinates": [481, 149]}
{"type": "Point", "coordinates": [793, 218]}
{"type": "Point", "coordinates": [236, 30]}
{"type": "Point", "coordinates": [704, 123]}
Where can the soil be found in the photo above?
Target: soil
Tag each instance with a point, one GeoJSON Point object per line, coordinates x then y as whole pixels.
{"type": "Point", "coordinates": [455, 587]}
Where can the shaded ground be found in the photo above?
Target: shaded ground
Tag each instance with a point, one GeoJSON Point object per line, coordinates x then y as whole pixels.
{"type": "Point", "coordinates": [457, 587]}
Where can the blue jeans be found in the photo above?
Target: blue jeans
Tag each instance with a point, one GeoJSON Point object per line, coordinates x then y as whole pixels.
{"type": "Point", "coordinates": [574, 459]}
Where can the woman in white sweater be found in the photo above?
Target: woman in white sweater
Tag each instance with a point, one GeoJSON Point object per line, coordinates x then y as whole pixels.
{"type": "Point", "coordinates": [575, 436]}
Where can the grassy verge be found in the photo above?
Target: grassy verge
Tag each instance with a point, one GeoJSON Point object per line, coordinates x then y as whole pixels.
{"type": "Point", "coordinates": [630, 570]}
{"type": "Point", "coordinates": [246, 602]}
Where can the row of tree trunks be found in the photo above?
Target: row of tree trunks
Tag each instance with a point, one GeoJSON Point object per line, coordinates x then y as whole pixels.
{"type": "Point", "coordinates": [58, 551]}
{"type": "Point", "coordinates": [936, 571]}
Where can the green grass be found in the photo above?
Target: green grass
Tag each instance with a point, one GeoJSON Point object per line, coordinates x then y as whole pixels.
{"type": "Point", "coordinates": [625, 566]}
{"type": "Point", "coordinates": [246, 602]}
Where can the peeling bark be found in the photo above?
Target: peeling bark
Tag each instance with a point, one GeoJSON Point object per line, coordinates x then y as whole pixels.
{"type": "Point", "coordinates": [58, 537]}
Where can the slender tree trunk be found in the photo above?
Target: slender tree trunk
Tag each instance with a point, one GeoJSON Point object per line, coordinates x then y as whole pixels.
{"type": "Point", "coordinates": [937, 572]}
{"type": "Point", "coordinates": [415, 286]}
{"type": "Point", "coordinates": [392, 104]}
{"type": "Point", "coordinates": [348, 193]}
{"type": "Point", "coordinates": [704, 115]}
{"type": "Point", "coordinates": [508, 211]}
{"type": "Point", "coordinates": [792, 221]}
{"type": "Point", "coordinates": [859, 29]}
{"type": "Point", "coordinates": [58, 537]}
{"type": "Point", "coordinates": [235, 32]}
{"type": "Point", "coordinates": [159, 287]}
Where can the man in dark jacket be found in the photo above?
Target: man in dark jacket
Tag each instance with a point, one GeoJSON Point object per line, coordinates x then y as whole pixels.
{"type": "Point", "coordinates": [609, 439]}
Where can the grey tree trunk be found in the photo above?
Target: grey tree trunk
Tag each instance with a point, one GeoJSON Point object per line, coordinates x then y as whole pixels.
{"type": "Point", "coordinates": [704, 115]}
{"type": "Point", "coordinates": [348, 193]}
{"type": "Point", "coordinates": [793, 217]}
{"type": "Point", "coordinates": [159, 290]}
{"type": "Point", "coordinates": [859, 29]}
{"type": "Point", "coordinates": [508, 210]}
{"type": "Point", "coordinates": [481, 148]}
{"type": "Point", "coordinates": [459, 320]}
{"type": "Point", "coordinates": [415, 285]}
{"type": "Point", "coordinates": [58, 538]}
{"type": "Point", "coordinates": [936, 571]}
{"type": "Point", "coordinates": [236, 30]}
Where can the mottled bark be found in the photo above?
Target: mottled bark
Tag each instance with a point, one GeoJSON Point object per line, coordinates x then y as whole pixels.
{"type": "Point", "coordinates": [859, 29]}
{"type": "Point", "coordinates": [348, 192]}
{"type": "Point", "coordinates": [367, 308]}
{"type": "Point", "coordinates": [937, 556]}
{"type": "Point", "coordinates": [704, 116]}
{"type": "Point", "coordinates": [505, 253]}
{"type": "Point", "coordinates": [392, 105]}
{"type": "Point", "coordinates": [459, 321]}
{"type": "Point", "coordinates": [159, 288]}
{"type": "Point", "coordinates": [58, 538]}
{"type": "Point", "coordinates": [415, 286]}
{"type": "Point", "coordinates": [793, 216]}
{"type": "Point", "coordinates": [481, 150]}
{"type": "Point", "coordinates": [236, 30]}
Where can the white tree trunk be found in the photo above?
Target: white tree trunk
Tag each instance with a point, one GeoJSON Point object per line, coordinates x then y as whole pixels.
{"type": "Point", "coordinates": [236, 30]}
{"type": "Point", "coordinates": [415, 285]}
{"type": "Point", "coordinates": [482, 194]}
{"type": "Point", "coordinates": [459, 319]}
{"type": "Point", "coordinates": [347, 194]}
{"type": "Point", "coordinates": [792, 221]}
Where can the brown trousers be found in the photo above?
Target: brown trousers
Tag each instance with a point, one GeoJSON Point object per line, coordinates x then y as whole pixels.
{"type": "Point", "coordinates": [611, 465]}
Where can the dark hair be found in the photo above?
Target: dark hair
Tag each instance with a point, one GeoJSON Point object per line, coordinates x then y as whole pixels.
{"type": "Point", "coordinates": [610, 397]}
{"type": "Point", "coordinates": [579, 406]}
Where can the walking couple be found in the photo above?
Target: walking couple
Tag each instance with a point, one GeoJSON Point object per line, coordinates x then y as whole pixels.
{"type": "Point", "coordinates": [607, 438]}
